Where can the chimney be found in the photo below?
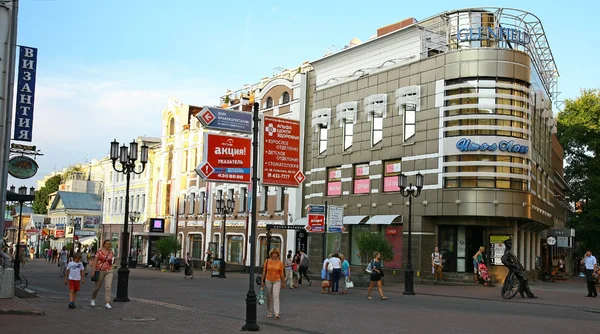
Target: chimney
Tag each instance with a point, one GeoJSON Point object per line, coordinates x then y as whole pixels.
{"type": "Point", "coordinates": [396, 26]}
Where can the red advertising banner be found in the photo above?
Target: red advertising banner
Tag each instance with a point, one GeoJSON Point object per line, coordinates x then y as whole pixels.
{"type": "Point", "coordinates": [316, 223]}
{"type": "Point", "coordinates": [281, 152]}
{"type": "Point", "coordinates": [226, 159]}
{"type": "Point", "coordinates": [334, 188]}
{"type": "Point", "coordinates": [390, 183]}
{"type": "Point", "coordinates": [59, 233]}
{"type": "Point", "coordinates": [362, 186]}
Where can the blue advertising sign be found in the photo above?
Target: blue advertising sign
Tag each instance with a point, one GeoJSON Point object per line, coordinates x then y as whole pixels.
{"type": "Point", "coordinates": [25, 93]}
{"type": "Point", "coordinates": [313, 208]}
{"type": "Point", "coordinates": [467, 145]}
{"type": "Point", "coordinates": [225, 120]}
{"type": "Point", "coordinates": [498, 34]}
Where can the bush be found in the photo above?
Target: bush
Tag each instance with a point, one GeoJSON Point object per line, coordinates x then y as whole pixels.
{"type": "Point", "coordinates": [166, 246]}
{"type": "Point", "coordinates": [371, 242]}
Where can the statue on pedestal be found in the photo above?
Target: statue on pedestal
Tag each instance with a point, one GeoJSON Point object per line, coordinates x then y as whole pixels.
{"type": "Point", "coordinates": [514, 266]}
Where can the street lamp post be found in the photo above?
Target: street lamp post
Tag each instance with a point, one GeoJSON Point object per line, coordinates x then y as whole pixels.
{"type": "Point", "coordinates": [21, 198]}
{"type": "Point", "coordinates": [127, 158]}
{"type": "Point", "coordinates": [407, 190]}
{"type": "Point", "coordinates": [134, 217]}
{"type": "Point", "coordinates": [224, 208]}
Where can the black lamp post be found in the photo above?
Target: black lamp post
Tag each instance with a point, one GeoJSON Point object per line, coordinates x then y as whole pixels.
{"type": "Point", "coordinates": [134, 217]}
{"type": "Point", "coordinates": [407, 190]}
{"type": "Point", "coordinates": [20, 197]}
{"type": "Point", "coordinates": [127, 158]}
{"type": "Point", "coordinates": [224, 208]}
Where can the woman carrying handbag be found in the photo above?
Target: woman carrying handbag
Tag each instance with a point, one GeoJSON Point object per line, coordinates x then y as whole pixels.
{"type": "Point", "coordinates": [274, 281]}
{"type": "Point", "coordinates": [102, 272]}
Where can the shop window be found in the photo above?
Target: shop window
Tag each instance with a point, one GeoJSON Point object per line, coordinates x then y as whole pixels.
{"type": "Point", "coordinates": [235, 249]}
{"type": "Point", "coordinates": [322, 139]}
{"type": "Point", "coordinates": [243, 199]}
{"type": "Point", "coordinates": [393, 234]}
{"type": "Point", "coordinates": [357, 258]}
{"type": "Point", "coordinates": [334, 181]}
{"type": "Point", "coordinates": [275, 244]}
{"type": "Point", "coordinates": [362, 183]}
{"type": "Point", "coordinates": [196, 246]}
{"type": "Point", "coordinates": [392, 169]}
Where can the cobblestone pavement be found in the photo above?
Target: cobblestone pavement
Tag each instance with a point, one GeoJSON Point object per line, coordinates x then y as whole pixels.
{"type": "Point", "coordinates": [167, 302]}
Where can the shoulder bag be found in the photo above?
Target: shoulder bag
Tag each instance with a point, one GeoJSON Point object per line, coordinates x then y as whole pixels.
{"type": "Point", "coordinates": [370, 267]}
{"type": "Point", "coordinates": [259, 279]}
{"type": "Point", "coordinates": [96, 275]}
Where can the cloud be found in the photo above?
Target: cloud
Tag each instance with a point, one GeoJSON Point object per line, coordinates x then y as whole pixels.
{"type": "Point", "coordinates": [78, 113]}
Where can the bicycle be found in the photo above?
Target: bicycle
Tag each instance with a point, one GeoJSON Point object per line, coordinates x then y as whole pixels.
{"type": "Point", "coordinates": [511, 286]}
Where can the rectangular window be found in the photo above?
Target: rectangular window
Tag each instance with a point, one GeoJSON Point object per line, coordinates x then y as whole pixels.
{"type": "Point", "coordinates": [143, 205]}
{"type": "Point", "coordinates": [280, 199]}
{"type": "Point", "coordinates": [377, 129]}
{"type": "Point", "coordinates": [109, 202]}
{"type": "Point", "coordinates": [334, 181]}
{"type": "Point", "coordinates": [264, 198]}
{"type": "Point", "coordinates": [196, 243]}
{"type": "Point", "coordinates": [182, 201]}
{"type": "Point", "coordinates": [230, 194]}
{"type": "Point", "coordinates": [192, 203]}
{"type": "Point", "coordinates": [322, 139]}
{"type": "Point", "coordinates": [392, 169]}
{"type": "Point", "coordinates": [243, 199]}
{"type": "Point", "coordinates": [235, 249]}
{"type": "Point", "coordinates": [202, 202]}
{"type": "Point", "coordinates": [362, 183]}
{"type": "Point", "coordinates": [348, 134]}
{"type": "Point", "coordinates": [410, 126]}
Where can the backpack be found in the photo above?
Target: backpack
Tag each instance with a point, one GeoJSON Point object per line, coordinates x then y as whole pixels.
{"type": "Point", "coordinates": [370, 267]}
{"type": "Point", "coordinates": [330, 267]}
{"type": "Point", "coordinates": [304, 262]}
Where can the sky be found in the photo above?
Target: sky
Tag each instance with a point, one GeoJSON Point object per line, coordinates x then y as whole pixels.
{"type": "Point", "coordinates": [106, 67]}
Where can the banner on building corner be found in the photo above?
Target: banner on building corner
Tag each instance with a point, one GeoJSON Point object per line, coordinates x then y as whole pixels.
{"type": "Point", "coordinates": [25, 94]}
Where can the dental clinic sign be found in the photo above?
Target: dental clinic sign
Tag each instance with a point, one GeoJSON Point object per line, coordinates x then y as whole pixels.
{"type": "Point", "coordinates": [468, 145]}
{"type": "Point", "coordinates": [497, 34]}
{"type": "Point", "coordinates": [25, 93]}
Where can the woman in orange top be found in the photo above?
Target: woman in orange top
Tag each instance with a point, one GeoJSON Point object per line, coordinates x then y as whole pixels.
{"type": "Point", "coordinates": [274, 279]}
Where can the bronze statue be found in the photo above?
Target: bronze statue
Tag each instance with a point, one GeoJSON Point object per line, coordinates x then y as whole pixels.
{"type": "Point", "coordinates": [514, 266]}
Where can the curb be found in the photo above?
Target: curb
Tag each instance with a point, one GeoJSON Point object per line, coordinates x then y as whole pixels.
{"type": "Point", "coordinates": [21, 312]}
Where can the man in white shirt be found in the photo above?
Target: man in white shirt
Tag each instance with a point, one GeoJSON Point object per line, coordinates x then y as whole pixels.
{"type": "Point", "coordinates": [436, 264]}
{"type": "Point", "coordinates": [63, 258]}
{"type": "Point", "coordinates": [590, 264]}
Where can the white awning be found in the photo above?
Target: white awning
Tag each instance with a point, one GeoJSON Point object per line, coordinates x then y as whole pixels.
{"type": "Point", "coordinates": [354, 220]}
{"type": "Point", "coordinates": [300, 221]}
{"type": "Point", "coordinates": [87, 241]}
{"type": "Point", "coordinates": [384, 219]}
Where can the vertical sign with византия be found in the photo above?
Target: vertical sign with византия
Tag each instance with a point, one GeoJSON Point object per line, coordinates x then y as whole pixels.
{"type": "Point", "coordinates": [25, 94]}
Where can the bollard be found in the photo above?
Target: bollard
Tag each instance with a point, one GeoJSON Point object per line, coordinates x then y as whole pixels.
{"type": "Point", "coordinates": [7, 283]}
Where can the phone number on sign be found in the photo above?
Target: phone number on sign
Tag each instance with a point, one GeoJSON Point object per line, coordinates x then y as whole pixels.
{"type": "Point", "coordinates": [232, 176]}
{"type": "Point", "coordinates": [279, 176]}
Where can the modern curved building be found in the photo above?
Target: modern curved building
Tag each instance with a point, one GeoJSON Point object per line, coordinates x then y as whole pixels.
{"type": "Point", "coordinates": [465, 98]}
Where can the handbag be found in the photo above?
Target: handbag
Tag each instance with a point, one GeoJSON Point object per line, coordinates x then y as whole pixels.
{"type": "Point", "coordinates": [96, 275]}
{"type": "Point", "coordinates": [330, 267]}
{"type": "Point", "coordinates": [349, 284]}
{"type": "Point", "coordinates": [261, 297]}
{"type": "Point", "coordinates": [259, 279]}
{"type": "Point", "coordinates": [370, 267]}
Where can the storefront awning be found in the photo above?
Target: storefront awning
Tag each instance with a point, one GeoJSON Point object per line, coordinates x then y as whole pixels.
{"type": "Point", "coordinates": [384, 219]}
{"type": "Point", "coordinates": [301, 221]}
{"type": "Point", "coordinates": [154, 234]}
{"type": "Point", "coordinates": [354, 220]}
{"type": "Point", "coordinates": [87, 241]}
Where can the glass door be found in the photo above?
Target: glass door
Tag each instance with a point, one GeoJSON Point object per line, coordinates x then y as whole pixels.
{"type": "Point", "coordinates": [447, 244]}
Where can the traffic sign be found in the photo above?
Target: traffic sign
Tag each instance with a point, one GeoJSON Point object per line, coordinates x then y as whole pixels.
{"type": "Point", "coordinates": [281, 144]}
{"type": "Point", "coordinates": [225, 120]}
{"type": "Point", "coordinates": [335, 219]}
{"type": "Point", "coordinates": [225, 159]}
{"type": "Point", "coordinates": [315, 208]}
{"type": "Point", "coordinates": [551, 241]}
{"type": "Point", "coordinates": [316, 223]}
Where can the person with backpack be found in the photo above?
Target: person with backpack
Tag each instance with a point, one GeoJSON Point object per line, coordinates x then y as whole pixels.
{"type": "Point", "coordinates": [376, 272]}
{"type": "Point", "coordinates": [436, 264]}
{"type": "Point", "coordinates": [303, 268]}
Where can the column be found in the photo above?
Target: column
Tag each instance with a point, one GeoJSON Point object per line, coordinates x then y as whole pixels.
{"type": "Point", "coordinates": [516, 238]}
{"type": "Point", "coordinates": [533, 250]}
{"type": "Point", "coordinates": [527, 253]}
{"type": "Point", "coordinates": [521, 253]}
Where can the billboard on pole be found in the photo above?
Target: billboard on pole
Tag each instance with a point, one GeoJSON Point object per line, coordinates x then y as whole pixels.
{"type": "Point", "coordinates": [281, 146]}
{"type": "Point", "coordinates": [225, 159]}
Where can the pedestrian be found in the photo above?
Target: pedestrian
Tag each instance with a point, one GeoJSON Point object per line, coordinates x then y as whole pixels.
{"type": "Point", "coordinates": [31, 253]}
{"type": "Point", "coordinates": [336, 273]}
{"type": "Point", "coordinates": [326, 276]}
{"type": "Point", "coordinates": [477, 259]}
{"type": "Point", "coordinates": [436, 264]}
{"type": "Point", "coordinates": [346, 274]}
{"type": "Point", "coordinates": [55, 255]}
{"type": "Point", "coordinates": [63, 260]}
{"type": "Point", "coordinates": [208, 262]}
{"type": "Point", "coordinates": [102, 264]}
{"type": "Point", "coordinates": [75, 275]}
{"type": "Point", "coordinates": [303, 268]}
{"type": "Point", "coordinates": [589, 261]}
{"type": "Point", "coordinates": [288, 271]}
{"type": "Point", "coordinates": [295, 264]}
{"type": "Point", "coordinates": [189, 266]}
{"type": "Point", "coordinates": [84, 260]}
{"type": "Point", "coordinates": [274, 280]}
{"type": "Point", "coordinates": [376, 275]}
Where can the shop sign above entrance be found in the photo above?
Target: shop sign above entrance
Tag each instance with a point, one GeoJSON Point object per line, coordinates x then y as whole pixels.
{"type": "Point", "coordinates": [467, 145]}
{"type": "Point", "coordinates": [497, 34]}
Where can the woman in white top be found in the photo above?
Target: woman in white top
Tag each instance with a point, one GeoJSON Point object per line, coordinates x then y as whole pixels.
{"type": "Point", "coordinates": [336, 263]}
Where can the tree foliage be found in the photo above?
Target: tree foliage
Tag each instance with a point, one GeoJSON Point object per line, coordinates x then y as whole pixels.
{"type": "Point", "coordinates": [166, 246]}
{"type": "Point", "coordinates": [40, 204]}
{"type": "Point", "coordinates": [371, 242]}
{"type": "Point", "coordinates": [579, 134]}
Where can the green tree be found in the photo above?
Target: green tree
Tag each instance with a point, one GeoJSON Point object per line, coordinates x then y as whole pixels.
{"type": "Point", "coordinates": [166, 246]}
{"type": "Point", "coordinates": [579, 134]}
{"type": "Point", "coordinates": [371, 242]}
{"type": "Point", "coordinates": [40, 204]}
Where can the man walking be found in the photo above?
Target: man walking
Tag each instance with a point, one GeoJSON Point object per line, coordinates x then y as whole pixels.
{"type": "Point", "coordinates": [303, 268]}
{"type": "Point", "coordinates": [63, 259]}
{"type": "Point", "coordinates": [589, 261]}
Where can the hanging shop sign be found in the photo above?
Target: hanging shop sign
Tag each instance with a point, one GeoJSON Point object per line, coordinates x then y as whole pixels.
{"type": "Point", "coordinates": [497, 34]}
{"type": "Point", "coordinates": [316, 223]}
{"type": "Point", "coordinates": [157, 225]}
{"type": "Point", "coordinates": [22, 167]}
{"type": "Point", "coordinates": [281, 152]}
{"type": "Point", "coordinates": [225, 159]}
{"type": "Point", "coordinates": [225, 120]}
{"type": "Point", "coordinates": [25, 93]}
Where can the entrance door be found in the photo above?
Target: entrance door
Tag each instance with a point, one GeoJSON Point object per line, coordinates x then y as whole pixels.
{"type": "Point", "coordinates": [474, 241]}
{"type": "Point", "coordinates": [152, 247]}
{"type": "Point", "coordinates": [447, 244]}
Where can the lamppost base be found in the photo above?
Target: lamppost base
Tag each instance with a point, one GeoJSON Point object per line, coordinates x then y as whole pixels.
{"type": "Point", "coordinates": [408, 282]}
{"type": "Point", "coordinates": [222, 269]}
{"type": "Point", "coordinates": [251, 325]}
{"type": "Point", "coordinates": [122, 284]}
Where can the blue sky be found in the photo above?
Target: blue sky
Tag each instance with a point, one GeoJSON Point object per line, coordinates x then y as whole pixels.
{"type": "Point", "coordinates": [106, 68]}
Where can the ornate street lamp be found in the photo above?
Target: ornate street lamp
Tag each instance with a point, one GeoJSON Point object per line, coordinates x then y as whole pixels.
{"type": "Point", "coordinates": [224, 208]}
{"type": "Point", "coordinates": [407, 190]}
{"type": "Point", "coordinates": [20, 197]}
{"type": "Point", "coordinates": [127, 158]}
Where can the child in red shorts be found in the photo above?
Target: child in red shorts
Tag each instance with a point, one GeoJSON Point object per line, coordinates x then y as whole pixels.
{"type": "Point", "coordinates": [75, 275]}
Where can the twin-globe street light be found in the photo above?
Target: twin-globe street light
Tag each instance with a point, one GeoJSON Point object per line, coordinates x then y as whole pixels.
{"type": "Point", "coordinates": [224, 208]}
{"type": "Point", "coordinates": [20, 197]}
{"type": "Point", "coordinates": [407, 190]}
{"type": "Point", "coordinates": [126, 158]}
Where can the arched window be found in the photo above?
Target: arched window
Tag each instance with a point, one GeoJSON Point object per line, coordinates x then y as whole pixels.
{"type": "Point", "coordinates": [285, 98]}
{"type": "Point", "coordinates": [269, 102]}
{"type": "Point", "coordinates": [171, 129]}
